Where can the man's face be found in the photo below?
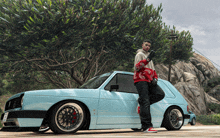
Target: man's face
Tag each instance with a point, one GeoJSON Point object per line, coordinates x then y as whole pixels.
{"type": "Point", "coordinates": [146, 46]}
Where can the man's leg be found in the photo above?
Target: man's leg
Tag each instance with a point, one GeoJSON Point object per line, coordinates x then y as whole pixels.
{"type": "Point", "coordinates": [156, 94]}
{"type": "Point", "coordinates": [144, 101]}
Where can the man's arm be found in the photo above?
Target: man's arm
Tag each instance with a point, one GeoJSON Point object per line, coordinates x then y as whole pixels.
{"type": "Point", "coordinates": [141, 61]}
{"type": "Point", "coordinates": [140, 65]}
{"type": "Point", "coordinates": [155, 75]}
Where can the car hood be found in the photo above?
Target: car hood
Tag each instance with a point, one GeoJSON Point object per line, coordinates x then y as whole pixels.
{"type": "Point", "coordinates": [61, 93]}
{"type": "Point", "coordinates": [65, 92]}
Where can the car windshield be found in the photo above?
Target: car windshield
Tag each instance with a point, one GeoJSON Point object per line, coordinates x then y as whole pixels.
{"type": "Point", "coordinates": [95, 82]}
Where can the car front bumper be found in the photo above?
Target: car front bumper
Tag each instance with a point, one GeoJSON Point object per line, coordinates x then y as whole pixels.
{"type": "Point", "coordinates": [23, 120]}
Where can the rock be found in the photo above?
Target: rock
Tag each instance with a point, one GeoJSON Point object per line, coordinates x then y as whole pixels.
{"type": "Point", "coordinates": [190, 78]}
{"type": "Point", "coordinates": [208, 70]}
{"type": "Point", "coordinates": [194, 96]}
{"type": "Point", "coordinates": [210, 99]}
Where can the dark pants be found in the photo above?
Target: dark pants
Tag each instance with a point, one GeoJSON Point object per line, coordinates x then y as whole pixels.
{"type": "Point", "coordinates": [148, 95]}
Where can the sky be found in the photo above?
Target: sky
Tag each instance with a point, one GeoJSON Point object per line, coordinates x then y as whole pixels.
{"type": "Point", "coordinates": [201, 18]}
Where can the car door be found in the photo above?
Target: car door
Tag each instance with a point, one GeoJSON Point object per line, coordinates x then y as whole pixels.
{"type": "Point", "coordinates": [118, 106]}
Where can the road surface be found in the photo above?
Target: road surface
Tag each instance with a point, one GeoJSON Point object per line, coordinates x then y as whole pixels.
{"type": "Point", "coordinates": [206, 131]}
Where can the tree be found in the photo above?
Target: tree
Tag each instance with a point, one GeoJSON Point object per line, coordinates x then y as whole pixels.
{"type": "Point", "coordinates": [181, 46]}
{"type": "Point", "coordinates": [68, 42]}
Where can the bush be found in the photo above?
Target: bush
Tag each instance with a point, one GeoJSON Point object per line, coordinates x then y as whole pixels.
{"type": "Point", "coordinates": [207, 89]}
{"type": "Point", "coordinates": [213, 82]}
{"type": "Point", "coordinates": [213, 119]}
{"type": "Point", "coordinates": [214, 107]}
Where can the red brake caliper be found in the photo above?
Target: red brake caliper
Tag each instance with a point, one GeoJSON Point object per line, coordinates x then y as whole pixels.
{"type": "Point", "coordinates": [74, 118]}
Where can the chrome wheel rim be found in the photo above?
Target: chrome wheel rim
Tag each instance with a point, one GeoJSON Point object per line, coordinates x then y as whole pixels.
{"type": "Point", "coordinates": [176, 118]}
{"type": "Point", "coordinates": [69, 117]}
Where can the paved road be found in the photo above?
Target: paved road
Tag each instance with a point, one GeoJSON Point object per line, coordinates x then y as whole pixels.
{"type": "Point", "coordinates": [186, 131]}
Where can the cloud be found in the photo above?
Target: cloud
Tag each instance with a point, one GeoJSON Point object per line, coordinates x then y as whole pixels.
{"type": "Point", "coordinates": [200, 17]}
{"type": "Point", "coordinates": [210, 52]}
{"type": "Point", "coordinates": [195, 30]}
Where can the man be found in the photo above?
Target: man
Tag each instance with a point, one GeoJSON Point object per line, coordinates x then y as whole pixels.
{"type": "Point", "coordinates": [145, 79]}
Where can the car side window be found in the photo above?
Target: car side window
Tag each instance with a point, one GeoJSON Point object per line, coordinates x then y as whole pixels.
{"type": "Point", "coordinates": [125, 82]}
{"type": "Point", "coordinates": [111, 82]}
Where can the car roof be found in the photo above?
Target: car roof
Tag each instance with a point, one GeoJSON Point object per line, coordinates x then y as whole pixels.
{"type": "Point", "coordinates": [131, 73]}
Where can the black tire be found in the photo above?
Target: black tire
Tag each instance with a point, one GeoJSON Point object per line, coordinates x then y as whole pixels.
{"type": "Point", "coordinates": [173, 119]}
{"type": "Point", "coordinates": [67, 117]}
{"type": "Point", "coordinates": [42, 129]}
{"type": "Point", "coordinates": [136, 129]}
{"type": "Point", "coordinates": [193, 121]}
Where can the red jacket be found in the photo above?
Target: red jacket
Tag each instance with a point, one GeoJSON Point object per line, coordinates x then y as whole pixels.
{"type": "Point", "coordinates": [143, 74]}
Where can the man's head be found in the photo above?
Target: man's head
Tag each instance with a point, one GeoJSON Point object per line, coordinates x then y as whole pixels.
{"type": "Point", "coordinates": [146, 45]}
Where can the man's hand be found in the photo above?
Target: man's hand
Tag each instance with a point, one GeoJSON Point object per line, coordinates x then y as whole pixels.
{"type": "Point", "coordinates": [150, 56]}
{"type": "Point", "coordinates": [154, 82]}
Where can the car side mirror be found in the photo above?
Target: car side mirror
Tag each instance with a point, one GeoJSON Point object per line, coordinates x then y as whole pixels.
{"type": "Point", "coordinates": [114, 87]}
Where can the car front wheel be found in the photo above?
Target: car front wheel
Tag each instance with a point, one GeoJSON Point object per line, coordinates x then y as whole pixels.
{"type": "Point", "coordinates": [173, 119]}
{"type": "Point", "coordinates": [67, 117]}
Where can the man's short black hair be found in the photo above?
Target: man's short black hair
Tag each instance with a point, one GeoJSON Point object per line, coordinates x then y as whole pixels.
{"type": "Point", "coordinates": [147, 40]}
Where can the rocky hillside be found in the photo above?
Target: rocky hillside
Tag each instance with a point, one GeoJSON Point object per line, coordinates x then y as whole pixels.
{"type": "Point", "coordinates": [190, 78]}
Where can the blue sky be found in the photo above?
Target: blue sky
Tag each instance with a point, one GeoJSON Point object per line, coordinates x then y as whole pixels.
{"type": "Point", "coordinates": [201, 18]}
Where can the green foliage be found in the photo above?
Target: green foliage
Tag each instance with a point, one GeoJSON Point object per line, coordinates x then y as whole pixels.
{"type": "Point", "coordinates": [213, 119]}
{"type": "Point", "coordinates": [65, 43]}
{"type": "Point", "coordinates": [207, 89]}
{"type": "Point", "coordinates": [181, 46]}
{"type": "Point", "coordinates": [213, 82]}
{"type": "Point", "coordinates": [214, 107]}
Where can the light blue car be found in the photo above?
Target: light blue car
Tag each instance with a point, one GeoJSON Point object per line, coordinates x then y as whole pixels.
{"type": "Point", "coordinates": [108, 101]}
{"type": "Point", "coordinates": [192, 120]}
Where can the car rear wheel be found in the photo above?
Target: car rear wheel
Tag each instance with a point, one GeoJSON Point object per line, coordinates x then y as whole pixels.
{"type": "Point", "coordinates": [173, 119]}
{"type": "Point", "coordinates": [193, 122]}
{"type": "Point", "coordinates": [67, 117]}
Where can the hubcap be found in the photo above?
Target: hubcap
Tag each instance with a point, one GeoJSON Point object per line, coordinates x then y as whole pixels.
{"type": "Point", "coordinates": [69, 117]}
{"type": "Point", "coordinates": [176, 118]}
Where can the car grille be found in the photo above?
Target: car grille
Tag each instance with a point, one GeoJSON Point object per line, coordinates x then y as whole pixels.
{"type": "Point", "coordinates": [13, 103]}
{"type": "Point", "coordinates": [10, 124]}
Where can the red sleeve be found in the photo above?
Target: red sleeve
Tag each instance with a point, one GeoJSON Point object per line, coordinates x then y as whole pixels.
{"type": "Point", "coordinates": [141, 64]}
{"type": "Point", "coordinates": [155, 75]}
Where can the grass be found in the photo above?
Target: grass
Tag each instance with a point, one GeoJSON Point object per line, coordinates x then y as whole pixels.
{"type": "Point", "coordinates": [213, 119]}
